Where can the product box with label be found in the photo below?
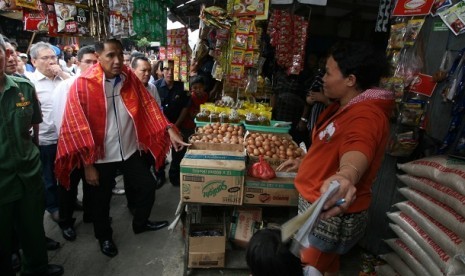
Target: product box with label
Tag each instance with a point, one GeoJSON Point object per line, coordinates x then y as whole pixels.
{"type": "Point", "coordinates": [277, 191]}
{"type": "Point", "coordinates": [245, 222]}
{"type": "Point", "coordinates": [207, 245]}
{"type": "Point", "coordinates": [215, 177]}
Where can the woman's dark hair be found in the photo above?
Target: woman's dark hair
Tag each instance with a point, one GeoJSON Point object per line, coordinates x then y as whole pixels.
{"type": "Point", "coordinates": [268, 256]}
{"type": "Point", "coordinates": [361, 60]}
{"type": "Point", "coordinates": [155, 67]}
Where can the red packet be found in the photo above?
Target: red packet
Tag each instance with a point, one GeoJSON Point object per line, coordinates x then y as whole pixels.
{"type": "Point", "coordinates": [35, 21]}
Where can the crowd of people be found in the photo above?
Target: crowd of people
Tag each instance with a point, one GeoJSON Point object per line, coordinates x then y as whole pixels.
{"type": "Point", "coordinates": [84, 122]}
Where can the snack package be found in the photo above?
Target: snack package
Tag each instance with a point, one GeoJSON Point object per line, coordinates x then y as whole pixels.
{"type": "Point", "coordinates": [413, 29]}
{"type": "Point", "coordinates": [439, 5]}
{"type": "Point", "coordinates": [396, 39]}
{"type": "Point", "coordinates": [29, 4]}
{"type": "Point", "coordinates": [35, 21]}
{"type": "Point", "coordinates": [453, 17]}
{"type": "Point", "coordinates": [83, 21]}
{"type": "Point", "coordinates": [52, 20]}
{"type": "Point", "coordinates": [66, 18]}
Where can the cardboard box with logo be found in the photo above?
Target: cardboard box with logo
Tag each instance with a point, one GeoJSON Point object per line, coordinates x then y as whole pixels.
{"type": "Point", "coordinates": [207, 245]}
{"type": "Point", "coordinates": [215, 177]}
{"type": "Point", "coordinates": [245, 222]}
{"type": "Point", "coordinates": [278, 191]}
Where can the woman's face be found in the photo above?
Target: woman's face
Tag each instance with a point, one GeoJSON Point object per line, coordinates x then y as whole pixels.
{"type": "Point", "coordinates": [334, 83]}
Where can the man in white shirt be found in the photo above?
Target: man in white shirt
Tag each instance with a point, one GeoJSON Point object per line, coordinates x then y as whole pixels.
{"type": "Point", "coordinates": [85, 59]}
{"type": "Point", "coordinates": [46, 77]}
{"type": "Point", "coordinates": [116, 118]}
{"type": "Point", "coordinates": [142, 68]}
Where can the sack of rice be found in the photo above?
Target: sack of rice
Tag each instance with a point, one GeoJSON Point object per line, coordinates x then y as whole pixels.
{"type": "Point", "coordinates": [437, 210]}
{"type": "Point", "coordinates": [397, 264]}
{"type": "Point", "coordinates": [442, 193]}
{"type": "Point", "coordinates": [406, 254]}
{"type": "Point", "coordinates": [425, 259]}
{"type": "Point", "coordinates": [444, 237]}
{"type": "Point", "coordinates": [449, 172]}
{"type": "Point", "coordinates": [386, 270]}
{"type": "Point", "coordinates": [446, 264]}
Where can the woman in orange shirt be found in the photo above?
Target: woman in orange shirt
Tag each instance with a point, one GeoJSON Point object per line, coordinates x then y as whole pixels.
{"type": "Point", "coordinates": [349, 140]}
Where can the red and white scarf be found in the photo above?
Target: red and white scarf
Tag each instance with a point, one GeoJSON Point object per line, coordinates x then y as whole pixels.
{"type": "Point", "coordinates": [82, 134]}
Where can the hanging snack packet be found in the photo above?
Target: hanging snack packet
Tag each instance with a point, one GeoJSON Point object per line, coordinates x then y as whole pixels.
{"type": "Point", "coordinates": [29, 4]}
{"type": "Point", "coordinates": [52, 20]}
{"type": "Point", "coordinates": [83, 21]}
{"type": "Point", "coordinates": [396, 39]}
{"type": "Point", "coordinates": [413, 29]}
{"type": "Point", "coordinates": [237, 56]}
{"type": "Point", "coordinates": [240, 42]}
{"type": "Point", "coordinates": [66, 15]}
{"type": "Point", "coordinates": [35, 21]}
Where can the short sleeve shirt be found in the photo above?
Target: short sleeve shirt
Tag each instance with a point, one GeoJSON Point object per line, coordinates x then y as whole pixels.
{"type": "Point", "coordinates": [20, 169]}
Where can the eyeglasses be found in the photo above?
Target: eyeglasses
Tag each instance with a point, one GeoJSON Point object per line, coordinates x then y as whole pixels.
{"type": "Point", "coordinates": [47, 58]}
{"type": "Point", "coordinates": [90, 61]}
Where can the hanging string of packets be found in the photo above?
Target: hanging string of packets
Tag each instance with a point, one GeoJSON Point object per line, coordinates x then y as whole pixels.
{"type": "Point", "coordinates": [150, 19]}
{"type": "Point", "coordinates": [455, 91]}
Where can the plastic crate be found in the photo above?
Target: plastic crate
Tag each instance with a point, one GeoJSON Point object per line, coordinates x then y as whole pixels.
{"type": "Point", "coordinates": [201, 124]}
{"type": "Point", "coordinates": [270, 128]}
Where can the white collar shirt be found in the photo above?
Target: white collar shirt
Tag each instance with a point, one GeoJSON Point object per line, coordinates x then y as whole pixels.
{"type": "Point", "coordinates": [154, 92]}
{"type": "Point", "coordinates": [120, 135]}
{"type": "Point", "coordinates": [44, 88]}
{"type": "Point", "coordinates": [60, 96]}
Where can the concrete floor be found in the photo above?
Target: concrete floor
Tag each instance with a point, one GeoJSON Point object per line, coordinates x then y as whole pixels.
{"type": "Point", "coordinates": [157, 253]}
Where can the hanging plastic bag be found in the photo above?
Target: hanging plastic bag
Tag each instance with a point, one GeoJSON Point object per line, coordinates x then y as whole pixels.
{"type": "Point", "coordinates": [262, 170]}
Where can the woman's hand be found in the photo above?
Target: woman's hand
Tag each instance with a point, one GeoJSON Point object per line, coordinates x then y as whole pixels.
{"type": "Point", "coordinates": [91, 174]}
{"type": "Point", "coordinates": [290, 165]}
{"type": "Point", "coordinates": [176, 140]}
{"type": "Point", "coordinates": [346, 191]}
{"type": "Point", "coordinates": [318, 97]}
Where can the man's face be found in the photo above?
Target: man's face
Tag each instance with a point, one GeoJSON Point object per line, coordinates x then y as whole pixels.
{"type": "Point", "coordinates": [111, 59]}
{"type": "Point", "coordinates": [20, 65]}
{"type": "Point", "coordinates": [45, 59]}
{"type": "Point", "coordinates": [142, 71]}
{"type": "Point", "coordinates": [87, 61]}
{"type": "Point", "coordinates": [127, 60]}
{"type": "Point", "coordinates": [11, 62]}
{"type": "Point", "coordinates": [24, 59]}
{"type": "Point", "coordinates": [4, 55]}
{"type": "Point", "coordinates": [168, 74]}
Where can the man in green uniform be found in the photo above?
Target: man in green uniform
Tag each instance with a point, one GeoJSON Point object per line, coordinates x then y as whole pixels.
{"type": "Point", "coordinates": [21, 186]}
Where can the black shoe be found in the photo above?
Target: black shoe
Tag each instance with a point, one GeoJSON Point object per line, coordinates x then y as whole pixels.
{"type": "Point", "coordinates": [78, 206]}
{"type": "Point", "coordinates": [69, 233]}
{"type": "Point", "coordinates": [51, 244]}
{"type": "Point", "coordinates": [150, 226]}
{"type": "Point", "coordinates": [108, 248]}
{"type": "Point", "coordinates": [52, 270]}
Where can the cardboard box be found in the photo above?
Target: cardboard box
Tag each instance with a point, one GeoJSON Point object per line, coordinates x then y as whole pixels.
{"type": "Point", "coordinates": [277, 191]}
{"type": "Point", "coordinates": [215, 177]}
{"type": "Point", "coordinates": [243, 226]}
{"type": "Point", "coordinates": [207, 251]}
